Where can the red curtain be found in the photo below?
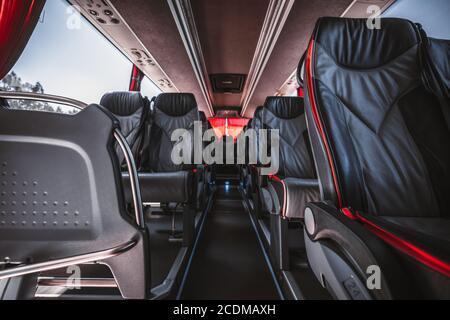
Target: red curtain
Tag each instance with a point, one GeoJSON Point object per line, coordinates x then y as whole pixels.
{"type": "Point", "coordinates": [18, 18]}
{"type": "Point", "coordinates": [136, 79]}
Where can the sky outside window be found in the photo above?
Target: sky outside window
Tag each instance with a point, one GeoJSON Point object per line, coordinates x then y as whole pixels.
{"type": "Point", "coordinates": [77, 63]}
{"type": "Point", "coordinates": [149, 89]}
{"type": "Point", "coordinates": [434, 15]}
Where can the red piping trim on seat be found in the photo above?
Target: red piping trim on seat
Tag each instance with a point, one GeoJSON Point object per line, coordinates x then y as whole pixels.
{"type": "Point", "coordinates": [403, 245]}
{"type": "Point", "coordinates": [275, 178]}
{"type": "Point", "coordinates": [349, 214]}
{"type": "Point", "coordinates": [317, 120]}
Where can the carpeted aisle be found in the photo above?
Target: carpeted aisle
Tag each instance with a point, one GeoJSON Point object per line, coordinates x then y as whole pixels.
{"type": "Point", "coordinates": [229, 263]}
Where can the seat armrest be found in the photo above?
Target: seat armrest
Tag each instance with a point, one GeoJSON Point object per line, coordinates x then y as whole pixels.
{"type": "Point", "coordinates": [167, 187]}
{"type": "Point", "coordinates": [294, 194]}
{"type": "Point", "coordinates": [362, 248]}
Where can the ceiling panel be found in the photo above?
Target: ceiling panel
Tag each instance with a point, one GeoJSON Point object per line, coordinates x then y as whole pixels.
{"type": "Point", "coordinates": [291, 45]}
{"type": "Point", "coordinates": [154, 24]}
{"type": "Point", "coordinates": [229, 32]}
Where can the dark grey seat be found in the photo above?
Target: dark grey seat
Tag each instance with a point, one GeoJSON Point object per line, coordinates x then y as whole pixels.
{"type": "Point", "coordinates": [285, 194]}
{"type": "Point", "coordinates": [61, 202]}
{"type": "Point", "coordinates": [172, 111]}
{"type": "Point", "coordinates": [378, 112]}
{"type": "Point", "coordinates": [131, 110]}
{"type": "Point", "coordinates": [295, 184]}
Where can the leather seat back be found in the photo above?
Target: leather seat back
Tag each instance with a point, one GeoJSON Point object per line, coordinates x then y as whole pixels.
{"type": "Point", "coordinates": [379, 137]}
{"type": "Point", "coordinates": [287, 114]}
{"type": "Point", "coordinates": [131, 110]}
{"type": "Point", "coordinates": [172, 111]}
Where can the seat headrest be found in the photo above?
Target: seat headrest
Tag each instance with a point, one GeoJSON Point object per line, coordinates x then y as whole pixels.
{"type": "Point", "coordinates": [352, 44]}
{"type": "Point", "coordinates": [123, 104]}
{"type": "Point", "coordinates": [175, 104]}
{"type": "Point", "coordinates": [285, 107]}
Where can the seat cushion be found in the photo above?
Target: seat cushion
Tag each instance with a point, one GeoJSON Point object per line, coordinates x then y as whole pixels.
{"type": "Point", "coordinates": [168, 187]}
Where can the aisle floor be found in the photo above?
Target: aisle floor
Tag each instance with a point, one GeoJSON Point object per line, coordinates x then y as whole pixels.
{"type": "Point", "coordinates": [229, 263]}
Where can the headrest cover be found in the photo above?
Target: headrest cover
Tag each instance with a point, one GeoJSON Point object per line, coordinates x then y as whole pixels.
{"type": "Point", "coordinates": [285, 107]}
{"type": "Point", "coordinates": [352, 44]}
{"type": "Point", "coordinates": [176, 104]}
{"type": "Point", "coordinates": [123, 104]}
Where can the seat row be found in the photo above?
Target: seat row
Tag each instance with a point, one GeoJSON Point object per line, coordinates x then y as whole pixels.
{"type": "Point", "coordinates": [148, 127]}
{"type": "Point", "coordinates": [364, 163]}
{"type": "Point", "coordinates": [80, 190]}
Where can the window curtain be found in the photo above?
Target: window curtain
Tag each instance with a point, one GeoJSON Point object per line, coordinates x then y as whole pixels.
{"type": "Point", "coordinates": [18, 18]}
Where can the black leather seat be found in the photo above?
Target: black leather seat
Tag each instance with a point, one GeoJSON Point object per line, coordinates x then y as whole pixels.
{"type": "Point", "coordinates": [285, 194]}
{"type": "Point", "coordinates": [71, 206]}
{"type": "Point", "coordinates": [172, 111]}
{"type": "Point", "coordinates": [249, 172]}
{"type": "Point", "coordinates": [295, 184]}
{"type": "Point", "coordinates": [163, 181]}
{"type": "Point", "coordinates": [131, 110]}
{"type": "Point", "coordinates": [381, 143]}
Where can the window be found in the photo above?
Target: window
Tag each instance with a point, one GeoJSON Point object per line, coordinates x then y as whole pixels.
{"type": "Point", "coordinates": [432, 14]}
{"type": "Point", "coordinates": [149, 89]}
{"type": "Point", "coordinates": [35, 105]}
{"type": "Point", "coordinates": [294, 93]}
{"type": "Point", "coordinates": [67, 56]}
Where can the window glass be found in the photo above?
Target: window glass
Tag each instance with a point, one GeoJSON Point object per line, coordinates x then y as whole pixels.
{"type": "Point", "coordinates": [67, 56]}
{"type": "Point", "coordinates": [294, 93]}
{"type": "Point", "coordinates": [42, 106]}
{"type": "Point", "coordinates": [149, 89]}
{"type": "Point", "coordinates": [432, 14]}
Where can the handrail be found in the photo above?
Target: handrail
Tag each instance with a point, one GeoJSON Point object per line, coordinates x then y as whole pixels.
{"type": "Point", "coordinates": [67, 262]}
{"type": "Point", "coordinates": [43, 97]}
{"type": "Point", "coordinates": [134, 179]}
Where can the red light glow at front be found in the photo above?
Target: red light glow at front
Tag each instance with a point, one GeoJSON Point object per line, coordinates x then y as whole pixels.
{"type": "Point", "coordinates": [230, 127]}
